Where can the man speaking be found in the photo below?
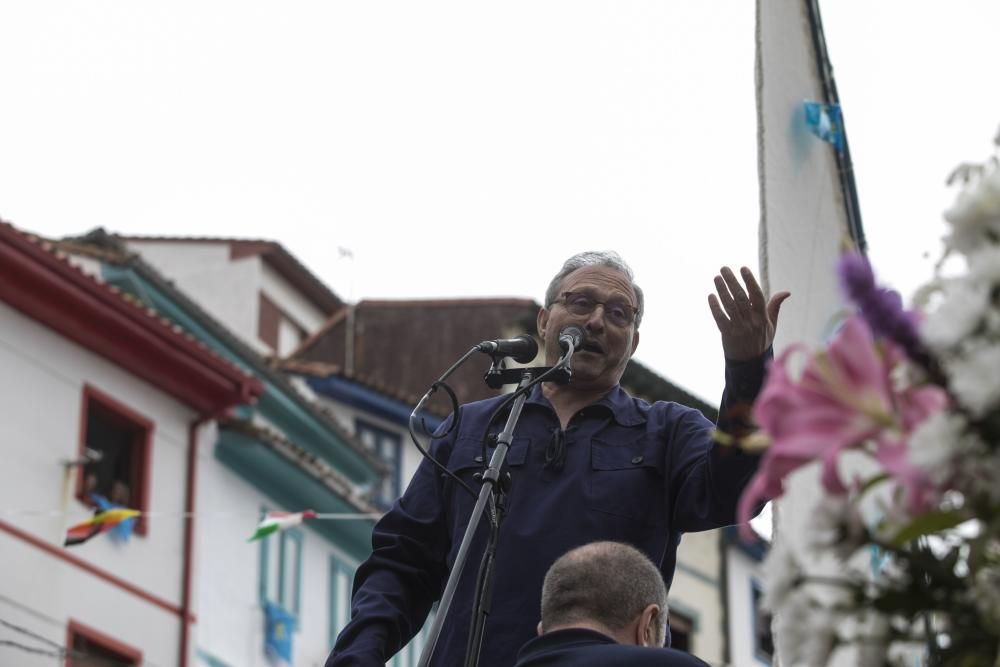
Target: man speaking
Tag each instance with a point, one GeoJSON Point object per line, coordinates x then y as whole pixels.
{"type": "Point", "coordinates": [589, 463]}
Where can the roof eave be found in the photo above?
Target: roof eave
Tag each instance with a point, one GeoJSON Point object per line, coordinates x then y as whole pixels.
{"type": "Point", "coordinates": [49, 290]}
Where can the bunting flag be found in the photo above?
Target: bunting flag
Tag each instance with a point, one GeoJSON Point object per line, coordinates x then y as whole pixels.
{"type": "Point", "coordinates": [824, 120]}
{"type": "Point", "coordinates": [277, 521]}
{"type": "Point", "coordinates": [122, 530]}
{"type": "Point", "coordinates": [100, 522]}
{"type": "Point", "coordinates": [278, 628]}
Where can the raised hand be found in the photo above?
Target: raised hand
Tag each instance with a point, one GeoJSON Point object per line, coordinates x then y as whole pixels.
{"type": "Point", "coordinates": [746, 319]}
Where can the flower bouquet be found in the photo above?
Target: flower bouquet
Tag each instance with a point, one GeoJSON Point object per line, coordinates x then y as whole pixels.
{"type": "Point", "coordinates": [898, 562]}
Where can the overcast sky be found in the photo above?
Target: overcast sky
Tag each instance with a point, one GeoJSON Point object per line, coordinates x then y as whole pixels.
{"type": "Point", "coordinates": [462, 148]}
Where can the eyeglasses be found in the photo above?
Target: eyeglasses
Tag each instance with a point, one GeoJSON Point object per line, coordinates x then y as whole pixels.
{"type": "Point", "coordinates": [619, 312]}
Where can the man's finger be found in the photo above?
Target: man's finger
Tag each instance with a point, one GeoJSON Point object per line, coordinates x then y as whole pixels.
{"type": "Point", "coordinates": [724, 296]}
{"type": "Point", "coordinates": [774, 306]}
{"type": "Point", "coordinates": [734, 285]}
{"type": "Point", "coordinates": [720, 317]}
{"type": "Point", "coordinates": [753, 288]}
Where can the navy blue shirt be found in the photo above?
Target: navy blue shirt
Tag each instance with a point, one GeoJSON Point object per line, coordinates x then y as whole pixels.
{"type": "Point", "coordinates": [579, 647]}
{"type": "Point", "coordinates": [624, 470]}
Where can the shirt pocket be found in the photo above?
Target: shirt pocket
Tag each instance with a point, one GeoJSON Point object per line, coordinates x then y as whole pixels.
{"type": "Point", "coordinates": [465, 461]}
{"type": "Point", "coordinates": [627, 479]}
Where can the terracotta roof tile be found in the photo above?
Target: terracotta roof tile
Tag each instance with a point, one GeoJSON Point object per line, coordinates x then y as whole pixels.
{"type": "Point", "coordinates": [58, 258]}
{"type": "Point", "coordinates": [401, 347]}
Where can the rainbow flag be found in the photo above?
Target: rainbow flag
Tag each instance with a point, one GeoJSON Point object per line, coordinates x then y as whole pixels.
{"type": "Point", "coordinates": [99, 523]}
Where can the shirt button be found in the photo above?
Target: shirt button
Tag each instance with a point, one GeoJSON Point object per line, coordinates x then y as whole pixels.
{"type": "Point", "coordinates": [636, 460]}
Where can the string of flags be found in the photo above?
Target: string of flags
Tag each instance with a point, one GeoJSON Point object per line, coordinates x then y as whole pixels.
{"type": "Point", "coordinates": [118, 522]}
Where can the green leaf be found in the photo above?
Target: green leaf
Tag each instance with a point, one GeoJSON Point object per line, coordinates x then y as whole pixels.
{"type": "Point", "coordinates": [927, 524]}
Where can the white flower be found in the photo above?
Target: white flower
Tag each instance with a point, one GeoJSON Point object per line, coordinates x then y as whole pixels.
{"type": "Point", "coordinates": [804, 633]}
{"type": "Point", "coordinates": [978, 473]}
{"type": "Point", "coordinates": [935, 443]}
{"type": "Point", "coordinates": [836, 527]}
{"type": "Point", "coordinates": [781, 575]}
{"type": "Point", "coordinates": [975, 211]}
{"type": "Point", "coordinates": [975, 380]}
{"type": "Point", "coordinates": [868, 632]}
{"type": "Point", "coordinates": [986, 592]}
{"type": "Point", "coordinates": [831, 582]}
{"type": "Point", "coordinates": [907, 653]}
{"type": "Point", "coordinates": [961, 311]}
{"type": "Point", "coordinates": [984, 265]}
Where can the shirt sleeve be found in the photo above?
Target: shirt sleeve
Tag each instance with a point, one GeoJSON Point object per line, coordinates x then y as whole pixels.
{"type": "Point", "coordinates": [395, 588]}
{"type": "Point", "coordinates": [706, 477]}
{"type": "Point", "coordinates": [744, 380]}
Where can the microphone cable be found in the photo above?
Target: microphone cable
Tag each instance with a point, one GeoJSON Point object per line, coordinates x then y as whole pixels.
{"type": "Point", "coordinates": [441, 384]}
{"type": "Point", "coordinates": [562, 363]}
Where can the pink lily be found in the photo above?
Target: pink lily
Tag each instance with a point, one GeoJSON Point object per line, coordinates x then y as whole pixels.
{"type": "Point", "coordinates": [843, 399]}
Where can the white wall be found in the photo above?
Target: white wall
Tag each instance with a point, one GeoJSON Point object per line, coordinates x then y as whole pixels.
{"type": "Point", "coordinates": [741, 572]}
{"type": "Point", "coordinates": [204, 272]}
{"type": "Point", "coordinates": [290, 300]}
{"type": "Point", "coordinates": [41, 398]}
{"type": "Point", "coordinates": [803, 219]}
{"type": "Point", "coordinates": [695, 588]}
{"type": "Point", "coordinates": [231, 620]}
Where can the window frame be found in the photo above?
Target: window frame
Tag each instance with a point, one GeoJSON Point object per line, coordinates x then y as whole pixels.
{"type": "Point", "coordinates": [292, 535]}
{"type": "Point", "coordinates": [339, 566]}
{"type": "Point", "coordinates": [142, 468]}
{"type": "Point", "coordinates": [756, 595]}
{"type": "Point", "coordinates": [396, 472]}
{"type": "Point", "coordinates": [682, 617]}
{"type": "Point", "coordinates": [270, 317]}
{"type": "Point", "coordinates": [76, 629]}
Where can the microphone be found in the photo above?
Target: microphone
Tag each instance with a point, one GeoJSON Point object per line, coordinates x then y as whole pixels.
{"type": "Point", "coordinates": [571, 335]}
{"type": "Point", "coordinates": [521, 349]}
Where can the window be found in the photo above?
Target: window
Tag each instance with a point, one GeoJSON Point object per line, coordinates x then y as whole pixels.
{"type": "Point", "coordinates": [341, 582]}
{"type": "Point", "coordinates": [281, 570]}
{"type": "Point", "coordinates": [275, 328]}
{"type": "Point", "coordinates": [763, 643]}
{"type": "Point", "coordinates": [386, 445]}
{"type": "Point", "coordinates": [116, 441]}
{"type": "Point", "coordinates": [89, 648]}
{"type": "Point", "coordinates": [681, 628]}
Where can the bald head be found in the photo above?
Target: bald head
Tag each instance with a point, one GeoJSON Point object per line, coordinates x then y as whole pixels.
{"type": "Point", "coordinates": [605, 585]}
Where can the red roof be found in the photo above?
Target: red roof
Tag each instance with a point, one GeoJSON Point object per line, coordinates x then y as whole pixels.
{"type": "Point", "coordinates": [43, 285]}
{"type": "Point", "coordinates": [403, 346]}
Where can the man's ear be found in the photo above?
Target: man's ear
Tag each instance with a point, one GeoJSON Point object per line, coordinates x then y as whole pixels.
{"type": "Point", "coordinates": [542, 321]}
{"type": "Point", "coordinates": [647, 629]}
{"type": "Point", "coordinates": [539, 630]}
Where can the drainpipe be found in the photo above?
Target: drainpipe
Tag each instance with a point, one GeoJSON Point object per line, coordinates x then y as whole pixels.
{"type": "Point", "coordinates": [349, 341]}
{"type": "Point", "coordinates": [187, 574]}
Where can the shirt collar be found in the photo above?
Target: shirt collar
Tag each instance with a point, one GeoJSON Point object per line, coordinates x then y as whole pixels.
{"type": "Point", "coordinates": [565, 638]}
{"type": "Point", "coordinates": [617, 401]}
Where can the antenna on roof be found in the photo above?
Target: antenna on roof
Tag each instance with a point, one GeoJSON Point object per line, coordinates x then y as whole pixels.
{"type": "Point", "coordinates": [347, 254]}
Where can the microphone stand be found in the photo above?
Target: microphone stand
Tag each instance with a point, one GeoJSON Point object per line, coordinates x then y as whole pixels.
{"type": "Point", "coordinates": [486, 496]}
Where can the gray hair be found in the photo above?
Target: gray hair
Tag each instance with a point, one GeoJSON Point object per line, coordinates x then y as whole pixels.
{"type": "Point", "coordinates": [607, 582]}
{"type": "Point", "coordinates": [608, 258]}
